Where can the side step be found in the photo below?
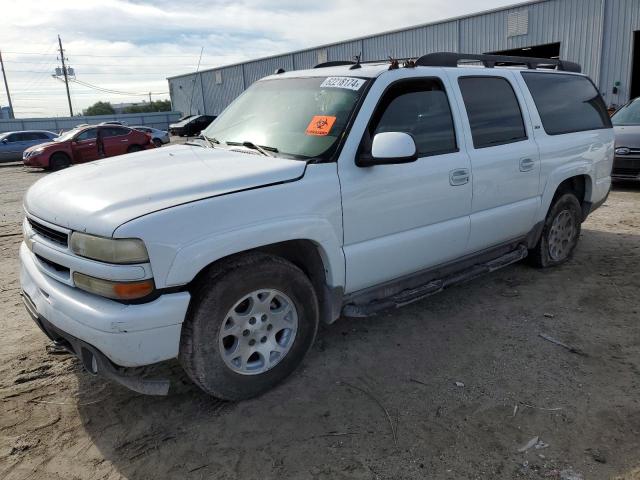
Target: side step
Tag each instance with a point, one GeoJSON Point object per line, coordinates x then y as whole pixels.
{"type": "Point", "coordinates": [411, 295]}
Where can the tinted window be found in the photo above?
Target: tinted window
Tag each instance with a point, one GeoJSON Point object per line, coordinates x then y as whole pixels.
{"type": "Point", "coordinates": [35, 136]}
{"type": "Point", "coordinates": [114, 132]}
{"type": "Point", "coordinates": [14, 137]}
{"type": "Point", "coordinates": [421, 109]}
{"type": "Point", "coordinates": [493, 110]}
{"type": "Point", "coordinates": [87, 135]}
{"type": "Point", "coordinates": [567, 103]}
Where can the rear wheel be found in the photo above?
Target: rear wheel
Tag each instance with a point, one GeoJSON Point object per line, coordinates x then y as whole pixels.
{"type": "Point", "coordinates": [157, 142]}
{"type": "Point", "coordinates": [58, 161]}
{"type": "Point", "coordinates": [134, 148]}
{"type": "Point", "coordinates": [251, 322]}
{"type": "Point", "coordinates": [560, 233]}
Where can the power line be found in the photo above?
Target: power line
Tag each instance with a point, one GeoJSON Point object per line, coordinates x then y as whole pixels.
{"type": "Point", "coordinates": [117, 92]}
{"type": "Point", "coordinates": [108, 56]}
{"type": "Point", "coordinates": [95, 73]}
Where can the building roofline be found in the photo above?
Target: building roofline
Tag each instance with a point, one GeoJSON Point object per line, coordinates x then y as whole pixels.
{"type": "Point", "coordinates": [365, 37]}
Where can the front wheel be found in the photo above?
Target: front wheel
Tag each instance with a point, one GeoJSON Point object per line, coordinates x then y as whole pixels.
{"type": "Point", "coordinates": [560, 233]}
{"type": "Point", "coordinates": [251, 322]}
{"type": "Point", "coordinates": [58, 161]}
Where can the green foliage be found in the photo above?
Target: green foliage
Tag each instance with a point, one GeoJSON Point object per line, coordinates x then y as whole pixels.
{"type": "Point", "coordinates": [157, 106]}
{"type": "Point", "coordinates": [99, 108]}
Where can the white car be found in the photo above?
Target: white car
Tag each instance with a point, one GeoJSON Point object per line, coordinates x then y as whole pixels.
{"type": "Point", "coordinates": [159, 137]}
{"type": "Point", "coordinates": [341, 190]}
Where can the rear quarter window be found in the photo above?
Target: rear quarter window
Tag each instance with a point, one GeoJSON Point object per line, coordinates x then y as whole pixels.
{"type": "Point", "coordinates": [567, 103]}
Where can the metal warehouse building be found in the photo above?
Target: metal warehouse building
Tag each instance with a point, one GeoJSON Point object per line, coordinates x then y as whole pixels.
{"type": "Point", "coordinates": [601, 35]}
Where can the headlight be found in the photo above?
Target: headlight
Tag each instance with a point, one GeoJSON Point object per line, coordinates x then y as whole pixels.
{"type": "Point", "coordinates": [109, 250]}
{"type": "Point", "coordinates": [114, 290]}
{"type": "Point", "coordinates": [622, 151]}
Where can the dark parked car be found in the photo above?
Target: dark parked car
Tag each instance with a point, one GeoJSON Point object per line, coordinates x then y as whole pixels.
{"type": "Point", "coordinates": [626, 123]}
{"type": "Point", "coordinates": [191, 126]}
{"type": "Point", "coordinates": [85, 144]}
{"type": "Point", "coordinates": [13, 144]}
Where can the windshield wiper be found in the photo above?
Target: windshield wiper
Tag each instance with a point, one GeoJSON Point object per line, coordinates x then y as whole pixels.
{"type": "Point", "coordinates": [264, 150]}
{"type": "Point", "coordinates": [207, 140]}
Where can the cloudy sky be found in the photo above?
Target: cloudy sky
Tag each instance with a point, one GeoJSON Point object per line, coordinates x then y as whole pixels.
{"type": "Point", "coordinates": [132, 46]}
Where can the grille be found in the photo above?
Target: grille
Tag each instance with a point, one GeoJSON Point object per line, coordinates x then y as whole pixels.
{"type": "Point", "coordinates": [56, 266]}
{"type": "Point", "coordinates": [626, 171]}
{"type": "Point", "coordinates": [55, 236]}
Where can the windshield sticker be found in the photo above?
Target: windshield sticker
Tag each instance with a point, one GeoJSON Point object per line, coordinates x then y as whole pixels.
{"type": "Point", "coordinates": [320, 125]}
{"type": "Point", "coordinates": [342, 82]}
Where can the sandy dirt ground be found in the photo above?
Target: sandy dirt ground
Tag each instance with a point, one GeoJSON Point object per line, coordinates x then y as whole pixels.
{"type": "Point", "coordinates": [452, 387]}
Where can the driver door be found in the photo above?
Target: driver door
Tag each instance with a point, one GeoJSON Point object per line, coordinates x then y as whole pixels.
{"type": "Point", "coordinates": [85, 147]}
{"type": "Point", "coordinates": [400, 219]}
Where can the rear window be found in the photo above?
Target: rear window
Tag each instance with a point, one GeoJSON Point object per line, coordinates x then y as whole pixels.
{"type": "Point", "coordinates": [493, 110]}
{"type": "Point", "coordinates": [567, 103]}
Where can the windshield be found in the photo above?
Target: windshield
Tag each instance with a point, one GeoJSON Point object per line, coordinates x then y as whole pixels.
{"type": "Point", "coordinates": [300, 117]}
{"type": "Point", "coordinates": [67, 135]}
{"type": "Point", "coordinates": [628, 115]}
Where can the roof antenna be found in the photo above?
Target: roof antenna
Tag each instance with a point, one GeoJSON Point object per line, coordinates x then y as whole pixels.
{"type": "Point", "coordinates": [394, 64]}
{"type": "Point", "coordinates": [357, 64]}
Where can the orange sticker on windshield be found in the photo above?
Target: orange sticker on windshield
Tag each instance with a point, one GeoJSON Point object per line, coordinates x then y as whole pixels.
{"type": "Point", "coordinates": [320, 125]}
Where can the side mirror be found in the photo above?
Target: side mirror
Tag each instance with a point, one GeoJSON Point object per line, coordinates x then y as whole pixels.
{"type": "Point", "coordinates": [389, 148]}
{"type": "Point", "coordinates": [5, 141]}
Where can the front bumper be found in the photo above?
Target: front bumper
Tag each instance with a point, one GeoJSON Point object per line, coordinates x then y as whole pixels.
{"type": "Point", "coordinates": [626, 168]}
{"type": "Point", "coordinates": [40, 160]}
{"type": "Point", "coordinates": [127, 335]}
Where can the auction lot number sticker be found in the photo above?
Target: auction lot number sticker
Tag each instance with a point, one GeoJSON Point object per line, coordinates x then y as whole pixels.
{"type": "Point", "coordinates": [342, 82]}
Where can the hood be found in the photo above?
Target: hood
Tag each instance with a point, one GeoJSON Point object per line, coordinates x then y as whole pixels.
{"type": "Point", "coordinates": [43, 145]}
{"type": "Point", "coordinates": [100, 196]}
{"type": "Point", "coordinates": [627, 136]}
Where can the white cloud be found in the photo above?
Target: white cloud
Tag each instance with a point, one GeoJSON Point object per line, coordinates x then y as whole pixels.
{"type": "Point", "coordinates": [126, 45]}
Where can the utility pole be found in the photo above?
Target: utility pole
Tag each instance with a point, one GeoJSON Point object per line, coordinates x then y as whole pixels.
{"type": "Point", "coordinates": [6, 87]}
{"type": "Point", "coordinates": [149, 98]}
{"type": "Point", "coordinates": [66, 79]}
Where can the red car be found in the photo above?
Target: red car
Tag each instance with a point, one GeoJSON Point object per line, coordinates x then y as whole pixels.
{"type": "Point", "coordinates": [84, 144]}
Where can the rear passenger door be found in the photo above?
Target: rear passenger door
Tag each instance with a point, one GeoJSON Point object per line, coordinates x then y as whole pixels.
{"type": "Point", "coordinates": [116, 140]}
{"type": "Point", "coordinates": [505, 161]}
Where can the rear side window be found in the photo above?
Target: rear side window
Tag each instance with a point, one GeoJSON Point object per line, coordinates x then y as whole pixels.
{"type": "Point", "coordinates": [493, 110]}
{"type": "Point", "coordinates": [567, 103]}
{"type": "Point", "coordinates": [421, 109]}
{"type": "Point", "coordinates": [114, 131]}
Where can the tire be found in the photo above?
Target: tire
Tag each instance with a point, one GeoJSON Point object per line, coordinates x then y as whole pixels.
{"type": "Point", "coordinates": [135, 148]}
{"type": "Point", "coordinates": [560, 233]}
{"type": "Point", "coordinates": [157, 142]}
{"type": "Point", "coordinates": [58, 161]}
{"type": "Point", "coordinates": [233, 289]}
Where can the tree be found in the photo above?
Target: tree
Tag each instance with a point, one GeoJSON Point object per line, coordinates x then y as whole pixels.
{"type": "Point", "coordinates": [99, 108]}
{"type": "Point", "coordinates": [157, 106]}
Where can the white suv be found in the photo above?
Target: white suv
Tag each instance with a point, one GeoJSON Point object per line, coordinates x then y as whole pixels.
{"type": "Point", "coordinates": [340, 190]}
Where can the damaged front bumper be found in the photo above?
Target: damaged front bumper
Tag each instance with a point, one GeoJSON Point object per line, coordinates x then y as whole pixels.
{"type": "Point", "coordinates": [111, 339]}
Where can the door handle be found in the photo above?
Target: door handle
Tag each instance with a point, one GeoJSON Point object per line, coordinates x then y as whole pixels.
{"type": "Point", "coordinates": [527, 164]}
{"type": "Point", "coordinates": [459, 176]}
{"type": "Point", "coordinates": [124, 141]}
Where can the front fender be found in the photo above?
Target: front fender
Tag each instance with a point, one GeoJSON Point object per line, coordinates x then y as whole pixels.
{"type": "Point", "coordinates": [192, 258]}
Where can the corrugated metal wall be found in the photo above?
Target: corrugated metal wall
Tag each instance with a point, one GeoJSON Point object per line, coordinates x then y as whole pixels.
{"type": "Point", "coordinates": [622, 18]}
{"type": "Point", "coordinates": [159, 120]}
{"type": "Point", "coordinates": [597, 34]}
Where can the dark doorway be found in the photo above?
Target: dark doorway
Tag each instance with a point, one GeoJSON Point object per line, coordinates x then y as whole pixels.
{"type": "Point", "coordinates": [635, 67]}
{"type": "Point", "coordinates": [550, 50]}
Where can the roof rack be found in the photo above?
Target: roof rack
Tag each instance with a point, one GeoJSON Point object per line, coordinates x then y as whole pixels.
{"type": "Point", "coordinates": [335, 63]}
{"type": "Point", "coordinates": [450, 59]}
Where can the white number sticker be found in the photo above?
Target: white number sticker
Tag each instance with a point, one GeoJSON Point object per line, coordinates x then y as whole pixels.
{"type": "Point", "coordinates": [342, 82]}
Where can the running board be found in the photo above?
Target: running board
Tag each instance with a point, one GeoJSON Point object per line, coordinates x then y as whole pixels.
{"type": "Point", "coordinates": [405, 297]}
